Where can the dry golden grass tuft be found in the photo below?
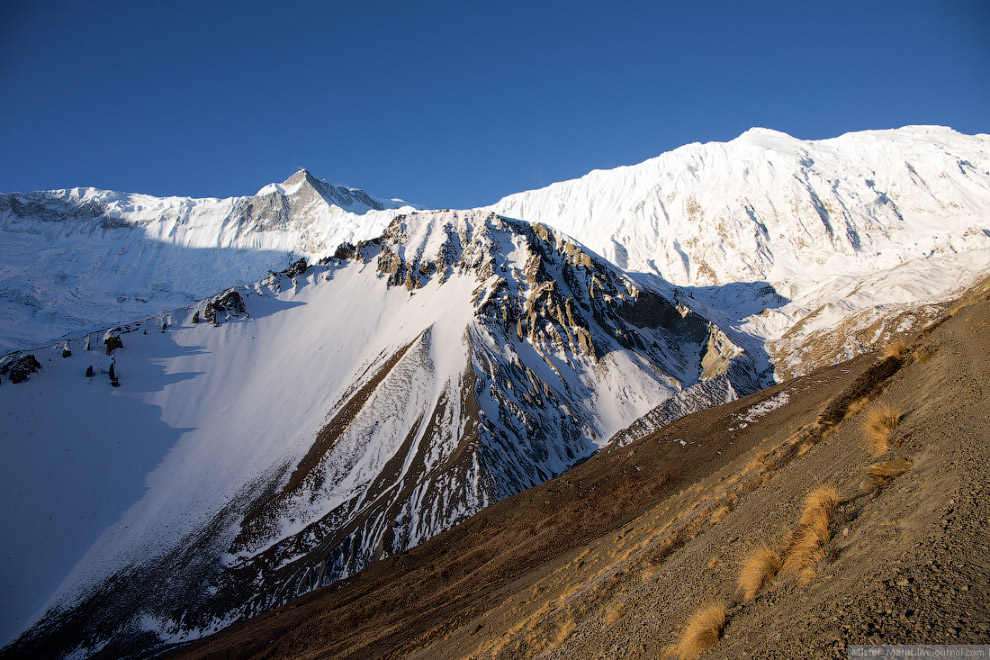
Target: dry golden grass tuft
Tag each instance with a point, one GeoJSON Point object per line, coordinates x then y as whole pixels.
{"type": "Point", "coordinates": [889, 469]}
{"type": "Point", "coordinates": [563, 632]}
{"type": "Point", "coordinates": [855, 407]}
{"type": "Point", "coordinates": [701, 632]}
{"type": "Point", "coordinates": [614, 612]}
{"type": "Point", "coordinates": [758, 569]}
{"type": "Point", "coordinates": [757, 461]}
{"type": "Point", "coordinates": [719, 514]}
{"type": "Point", "coordinates": [823, 498]}
{"type": "Point", "coordinates": [880, 422]}
{"type": "Point", "coordinates": [807, 544]}
{"type": "Point", "coordinates": [897, 349]}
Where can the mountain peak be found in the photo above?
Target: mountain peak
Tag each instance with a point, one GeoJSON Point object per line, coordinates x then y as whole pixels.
{"type": "Point", "coordinates": [766, 137]}
{"type": "Point", "coordinates": [300, 175]}
{"type": "Point", "coordinates": [302, 179]}
{"type": "Point", "coordinates": [354, 200]}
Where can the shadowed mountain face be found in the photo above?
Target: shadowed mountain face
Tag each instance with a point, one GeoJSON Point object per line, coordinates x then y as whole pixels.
{"type": "Point", "coordinates": [373, 401]}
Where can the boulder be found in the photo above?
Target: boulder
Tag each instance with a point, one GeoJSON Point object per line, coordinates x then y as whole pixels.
{"type": "Point", "coordinates": [296, 268]}
{"type": "Point", "coordinates": [228, 303]}
{"type": "Point", "coordinates": [112, 342]}
{"type": "Point", "coordinates": [18, 370]}
{"type": "Point", "coordinates": [345, 251]}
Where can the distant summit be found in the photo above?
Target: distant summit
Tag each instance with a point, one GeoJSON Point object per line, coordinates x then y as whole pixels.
{"type": "Point", "coordinates": [304, 185]}
{"type": "Point", "coordinates": [85, 258]}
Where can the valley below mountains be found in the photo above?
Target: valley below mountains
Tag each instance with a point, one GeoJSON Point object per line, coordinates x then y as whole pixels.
{"type": "Point", "coordinates": [326, 424]}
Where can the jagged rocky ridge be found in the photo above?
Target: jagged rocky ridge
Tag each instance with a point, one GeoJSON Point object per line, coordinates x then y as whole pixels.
{"type": "Point", "coordinates": [494, 354]}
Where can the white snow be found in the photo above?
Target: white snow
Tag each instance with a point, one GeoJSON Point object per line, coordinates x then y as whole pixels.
{"type": "Point", "coordinates": [763, 408]}
{"type": "Point", "coordinates": [127, 256]}
{"type": "Point", "coordinates": [838, 226]}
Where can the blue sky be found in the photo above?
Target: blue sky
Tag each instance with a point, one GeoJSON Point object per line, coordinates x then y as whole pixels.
{"type": "Point", "coordinates": [455, 104]}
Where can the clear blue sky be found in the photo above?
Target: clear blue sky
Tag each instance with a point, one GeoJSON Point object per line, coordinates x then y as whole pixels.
{"type": "Point", "coordinates": [455, 104]}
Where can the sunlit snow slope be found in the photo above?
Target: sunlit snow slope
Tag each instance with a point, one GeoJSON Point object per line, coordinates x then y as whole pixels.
{"type": "Point", "coordinates": [354, 409]}
{"type": "Point", "coordinates": [80, 259]}
{"type": "Point", "coordinates": [818, 221]}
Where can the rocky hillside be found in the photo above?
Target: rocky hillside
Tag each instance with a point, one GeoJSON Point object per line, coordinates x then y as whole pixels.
{"type": "Point", "coordinates": [330, 416]}
{"type": "Point", "coordinates": [790, 523]}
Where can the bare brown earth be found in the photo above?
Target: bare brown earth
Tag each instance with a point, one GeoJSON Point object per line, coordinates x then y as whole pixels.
{"type": "Point", "coordinates": [610, 559]}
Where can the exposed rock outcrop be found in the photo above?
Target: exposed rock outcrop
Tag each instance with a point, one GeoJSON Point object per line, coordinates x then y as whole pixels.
{"type": "Point", "coordinates": [112, 341]}
{"type": "Point", "coordinates": [296, 268]}
{"type": "Point", "coordinates": [19, 369]}
{"type": "Point", "coordinates": [228, 304]}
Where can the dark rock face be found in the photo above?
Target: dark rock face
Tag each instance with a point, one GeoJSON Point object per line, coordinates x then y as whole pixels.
{"type": "Point", "coordinates": [228, 304]}
{"type": "Point", "coordinates": [89, 371]}
{"type": "Point", "coordinates": [195, 318]}
{"type": "Point", "coordinates": [112, 342]}
{"type": "Point", "coordinates": [65, 351]}
{"type": "Point", "coordinates": [19, 370]}
{"type": "Point", "coordinates": [345, 251]}
{"type": "Point", "coordinates": [296, 268]}
{"type": "Point", "coordinates": [113, 377]}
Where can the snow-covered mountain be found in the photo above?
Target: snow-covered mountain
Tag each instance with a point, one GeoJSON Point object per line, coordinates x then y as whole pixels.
{"type": "Point", "coordinates": [860, 230]}
{"type": "Point", "coordinates": [329, 416]}
{"type": "Point", "coordinates": [82, 259]}
{"type": "Point", "coordinates": [237, 444]}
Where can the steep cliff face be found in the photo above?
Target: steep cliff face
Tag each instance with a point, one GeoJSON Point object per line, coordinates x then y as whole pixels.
{"type": "Point", "coordinates": [338, 413]}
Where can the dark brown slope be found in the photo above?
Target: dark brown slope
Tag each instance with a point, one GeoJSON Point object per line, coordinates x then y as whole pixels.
{"type": "Point", "coordinates": [409, 599]}
{"type": "Point", "coordinates": [610, 559]}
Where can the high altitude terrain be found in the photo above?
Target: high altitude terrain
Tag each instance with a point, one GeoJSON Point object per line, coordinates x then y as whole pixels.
{"type": "Point", "coordinates": [83, 259]}
{"type": "Point", "coordinates": [369, 394]}
{"type": "Point", "coordinates": [613, 558]}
